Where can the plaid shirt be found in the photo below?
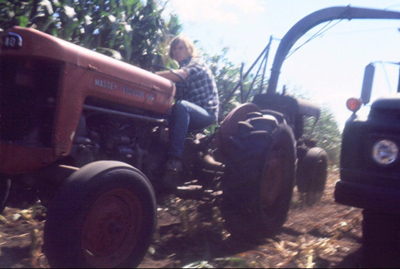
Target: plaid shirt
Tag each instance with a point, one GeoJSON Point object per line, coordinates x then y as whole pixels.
{"type": "Point", "coordinates": [200, 88]}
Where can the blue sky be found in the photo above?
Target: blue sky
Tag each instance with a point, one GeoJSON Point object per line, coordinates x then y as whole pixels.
{"type": "Point", "coordinates": [328, 69]}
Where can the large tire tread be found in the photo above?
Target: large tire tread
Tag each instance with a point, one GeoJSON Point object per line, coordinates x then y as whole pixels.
{"type": "Point", "coordinates": [246, 217]}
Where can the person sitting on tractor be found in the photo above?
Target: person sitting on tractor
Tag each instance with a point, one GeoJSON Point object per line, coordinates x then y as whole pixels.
{"type": "Point", "coordinates": [196, 102]}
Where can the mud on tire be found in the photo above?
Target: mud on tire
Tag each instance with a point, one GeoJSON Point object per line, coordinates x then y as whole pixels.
{"type": "Point", "coordinates": [258, 182]}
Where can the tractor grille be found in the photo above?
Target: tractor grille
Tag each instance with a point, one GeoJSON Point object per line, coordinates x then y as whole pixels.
{"type": "Point", "coordinates": [28, 90]}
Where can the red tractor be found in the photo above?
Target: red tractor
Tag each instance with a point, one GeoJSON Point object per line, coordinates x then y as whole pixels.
{"type": "Point", "coordinates": [87, 135]}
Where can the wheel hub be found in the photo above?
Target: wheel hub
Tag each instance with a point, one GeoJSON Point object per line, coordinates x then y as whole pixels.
{"type": "Point", "coordinates": [111, 227]}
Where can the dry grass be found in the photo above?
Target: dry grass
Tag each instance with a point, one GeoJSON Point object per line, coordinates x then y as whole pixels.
{"type": "Point", "coordinates": [318, 236]}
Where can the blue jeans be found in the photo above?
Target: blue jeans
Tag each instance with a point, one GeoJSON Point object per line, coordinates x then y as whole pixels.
{"type": "Point", "coordinates": [185, 116]}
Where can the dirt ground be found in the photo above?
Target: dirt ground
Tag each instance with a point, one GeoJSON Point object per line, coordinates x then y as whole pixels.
{"type": "Point", "coordinates": [190, 234]}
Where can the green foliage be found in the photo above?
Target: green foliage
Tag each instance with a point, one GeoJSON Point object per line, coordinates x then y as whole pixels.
{"type": "Point", "coordinates": [326, 132]}
{"type": "Point", "coordinates": [227, 76]}
{"type": "Point", "coordinates": [129, 30]}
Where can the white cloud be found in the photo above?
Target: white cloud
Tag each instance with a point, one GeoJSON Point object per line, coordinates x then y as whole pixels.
{"type": "Point", "coordinates": [218, 11]}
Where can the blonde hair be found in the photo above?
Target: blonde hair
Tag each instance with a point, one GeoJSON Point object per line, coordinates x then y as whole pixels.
{"type": "Point", "coordinates": [186, 41]}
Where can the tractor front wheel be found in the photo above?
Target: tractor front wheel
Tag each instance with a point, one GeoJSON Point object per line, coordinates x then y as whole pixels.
{"type": "Point", "coordinates": [103, 216]}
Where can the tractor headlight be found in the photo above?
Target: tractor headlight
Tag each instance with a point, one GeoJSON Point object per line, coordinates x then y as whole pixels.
{"type": "Point", "coordinates": [385, 152]}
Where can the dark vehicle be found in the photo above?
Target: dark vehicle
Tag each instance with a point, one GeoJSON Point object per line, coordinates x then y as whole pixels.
{"type": "Point", "coordinates": [370, 172]}
{"type": "Point", "coordinates": [87, 135]}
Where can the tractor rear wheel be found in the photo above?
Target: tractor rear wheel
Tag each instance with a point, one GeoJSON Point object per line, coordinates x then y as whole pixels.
{"type": "Point", "coordinates": [103, 216]}
{"type": "Point", "coordinates": [258, 182]}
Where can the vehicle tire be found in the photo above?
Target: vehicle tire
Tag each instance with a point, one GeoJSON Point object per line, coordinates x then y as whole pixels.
{"type": "Point", "coordinates": [103, 216]}
{"type": "Point", "coordinates": [381, 240]}
{"type": "Point", "coordinates": [5, 186]}
{"type": "Point", "coordinates": [312, 175]}
{"type": "Point", "coordinates": [258, 182]}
